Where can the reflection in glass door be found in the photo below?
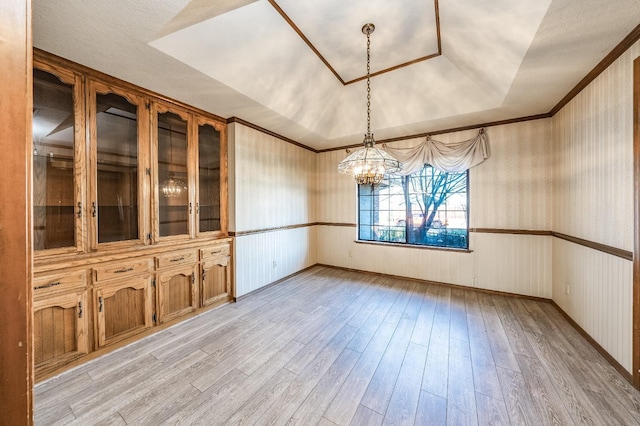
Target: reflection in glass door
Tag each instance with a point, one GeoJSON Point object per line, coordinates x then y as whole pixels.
{"type": "Point", "coordinates": [173, 203]}
{"type": "Point", "coordinates": [54, 204]}
{"type": "Point", "coordinates": [208, 178]}
{"type": "Point", "coordinates": [117, 168]}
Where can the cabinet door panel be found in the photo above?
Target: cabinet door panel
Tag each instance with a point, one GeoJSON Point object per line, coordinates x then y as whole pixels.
{"type": "Point", "coordinates": [118, 131]}
{"type": "Point", "coordinates": [59, 330]}
{"type": "Point", "coordinates": [57, 160]}
{"type": "Point", "coordinates": [176, 292]}
{"type": "Point", "coordinates": [216, 280]}
{"type": "Point", "coordinates": [122, 309]}
{"type": "Point", "coordinates": [175, 206]}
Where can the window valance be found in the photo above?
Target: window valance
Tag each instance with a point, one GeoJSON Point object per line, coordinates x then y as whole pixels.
{"type": "Point", "coordinates": [447, 157]}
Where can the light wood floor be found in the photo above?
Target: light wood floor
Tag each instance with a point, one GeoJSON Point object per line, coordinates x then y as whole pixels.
{"type": "Point", "coordinates": [333, 347]}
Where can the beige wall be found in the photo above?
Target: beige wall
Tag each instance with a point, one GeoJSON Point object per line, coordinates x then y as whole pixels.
{"type": "Point", "coordinates": [593, 149]}
{"type": "Point", "coordinates": [271, 185]}
{"type": "Point", "coordinates": [511, 190]}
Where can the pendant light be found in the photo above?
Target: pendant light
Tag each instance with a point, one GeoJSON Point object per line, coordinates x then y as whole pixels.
{"type": "Point", "coordinates": [172, 187]}
{"type": "Point", "coordinates": [368, 165]}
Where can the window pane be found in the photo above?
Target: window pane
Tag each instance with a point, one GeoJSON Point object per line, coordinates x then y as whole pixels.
{"type": "Point", "coordinates": [53, 163]}
{"type": "Point", "coordinates": [117, 164]}
{"type": "Point", "coordinates": [209, 178]}
{"type": "Point", "coordinates": [172, 175]}
{"type": "Point", "coordinates": [427, 208]}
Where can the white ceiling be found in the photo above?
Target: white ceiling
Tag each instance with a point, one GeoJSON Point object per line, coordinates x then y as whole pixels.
{"type": "Point", "coordinates": [500, 59]}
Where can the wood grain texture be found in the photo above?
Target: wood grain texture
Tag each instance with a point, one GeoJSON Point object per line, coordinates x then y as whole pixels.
{"type": "Point", "coordinates": [332, 347]}
{"type": "Point", "coordinates": [636, 222]}
{"type": "Point", "coordinates": [16, 357]}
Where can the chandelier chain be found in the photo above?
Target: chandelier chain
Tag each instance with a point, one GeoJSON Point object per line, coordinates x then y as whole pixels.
{"type": "Point", "coordinates": [368, 82]}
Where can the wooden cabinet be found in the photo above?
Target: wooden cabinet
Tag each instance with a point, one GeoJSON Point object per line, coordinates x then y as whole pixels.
{"type": "Point", "coordinates": [177, 293]}
{"type": "Point", "coordinates": [59, 320]}
{"type": "Point", "coordinates": [216, 274]}
{"type": "Point", "coordinates": [129, 188]}
{"type": "Point", "coordinates": [122, 308]}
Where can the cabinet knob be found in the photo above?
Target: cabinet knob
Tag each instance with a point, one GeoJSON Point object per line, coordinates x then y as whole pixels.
{"type": "Point", "coordinates": [93, 209]}
{"type": "Point", "coordinates": [79, 309]}
{"type": "Point", "coordinates": [79, 209]}
{"type": "Point", "coordinates": [99, 303]}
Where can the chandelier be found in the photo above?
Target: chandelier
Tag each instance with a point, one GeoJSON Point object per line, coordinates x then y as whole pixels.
{"type": "Point", "coordinates": [368, 165]}
{"type": "Point", "coordinates": [172, 187]}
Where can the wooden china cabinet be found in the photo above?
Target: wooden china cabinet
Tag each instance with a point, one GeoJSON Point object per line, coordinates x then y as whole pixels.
{"type": "Point", "coordinates": [129, 212]}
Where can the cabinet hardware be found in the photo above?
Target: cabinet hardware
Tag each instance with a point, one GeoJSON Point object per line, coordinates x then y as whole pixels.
{"type": "Point", "coordinates": [190, 208]}
{"type": "Point", "coordinates": [153, 318]}
{"type": "Point", "coordinates": [193, 278]}
{"type": "Point", "coordinates": [79, 309]}
{"type": "Point", "coordinates": [79, 209]}
{"type": "Point", "coordinates": [177, 259]}
{"type": "Point", "coordinates": [153, 282]}
{"type": "Point", "coordinates": [52, 284]}
{"type": "Point", "coordinates": [149, 236]}
{"type": "Point", "coordinates": [148, 170]}
{"type": "Point", "coordinates": [123, 270]}
{"type": "Point", "coordinates": [93, 209]}
{"type": "Point", "coordinates": [99, 303]}
{"type": "Point", "coordinates": [204, 274]}
{"type": "Point", "coordinates": [197, 208]}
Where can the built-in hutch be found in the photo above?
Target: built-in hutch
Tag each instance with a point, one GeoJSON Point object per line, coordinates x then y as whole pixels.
{"type": "Point", "coordinates": [129, 213]}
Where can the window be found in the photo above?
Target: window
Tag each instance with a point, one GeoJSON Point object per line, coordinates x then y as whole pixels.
{"type": "Point", "coordinates": [426, 208]}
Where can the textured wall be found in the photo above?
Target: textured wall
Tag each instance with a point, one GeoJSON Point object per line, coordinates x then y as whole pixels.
{"type": "Point", "coordinates": [600, 295]}
{"type": "Point", "coordinates": [593, 149]}
{"type": "Point", "coordinates": [511, 190]}
{"type": "Point", "coordinates": [274, 181]}
{"type": "Point", "coordinates": [272, 184]}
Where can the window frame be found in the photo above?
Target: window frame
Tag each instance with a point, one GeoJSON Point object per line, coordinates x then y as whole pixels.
{"type": "Point", "coordinates": [407, 225]}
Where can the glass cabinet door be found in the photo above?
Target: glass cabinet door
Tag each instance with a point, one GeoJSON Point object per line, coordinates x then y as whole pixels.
{"type": "Point", "coordinates": [116, 150]}
{"type": "Point", "coordinates": [174, 206]}
{"type": "Point", "coordinates": [209, 160]}
{"type": "Point", "coordinates": [57, 201]}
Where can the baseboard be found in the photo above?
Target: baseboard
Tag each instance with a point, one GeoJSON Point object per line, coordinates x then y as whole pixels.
{"type": "Point", "coordinates": [623, 371]}
{"type": "Point", "coordinates": [264, 287]}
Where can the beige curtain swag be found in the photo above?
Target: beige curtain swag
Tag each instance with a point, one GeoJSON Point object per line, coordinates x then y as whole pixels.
{"type": "Point", "coordinates": [447, 157]}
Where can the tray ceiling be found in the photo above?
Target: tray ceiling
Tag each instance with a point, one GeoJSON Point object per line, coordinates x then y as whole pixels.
{"type": "Point", "coordinates": [281, 64]}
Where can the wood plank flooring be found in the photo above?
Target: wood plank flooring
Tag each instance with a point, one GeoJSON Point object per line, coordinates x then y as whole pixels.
{"type": "Point", "coordinates": [331, 347]}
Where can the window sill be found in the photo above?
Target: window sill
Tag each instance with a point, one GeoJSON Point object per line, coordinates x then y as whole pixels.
{"type": "Point", "coordinates": [413, 246]}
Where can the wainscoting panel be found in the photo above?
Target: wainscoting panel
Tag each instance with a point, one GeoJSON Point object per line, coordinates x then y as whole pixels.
{"type": "Point", "coordinates": [291, 249]}
{"type": "Point", "coordinates": [513, 263]}
{"type": "Point", "coordinates": [518, 264]}
{"type": "Point", "coordinates": [600, 288]}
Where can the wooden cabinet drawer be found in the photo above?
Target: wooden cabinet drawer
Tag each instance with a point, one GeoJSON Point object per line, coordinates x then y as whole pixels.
{"type": "Point", "coordinates": [55, 283]}
{"type": "Point", "coordinates": [214, 251]}
{"type": "Point", "coordinates": [122, 269]}
{"type": "Point", "coordinates": [176, 258]}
